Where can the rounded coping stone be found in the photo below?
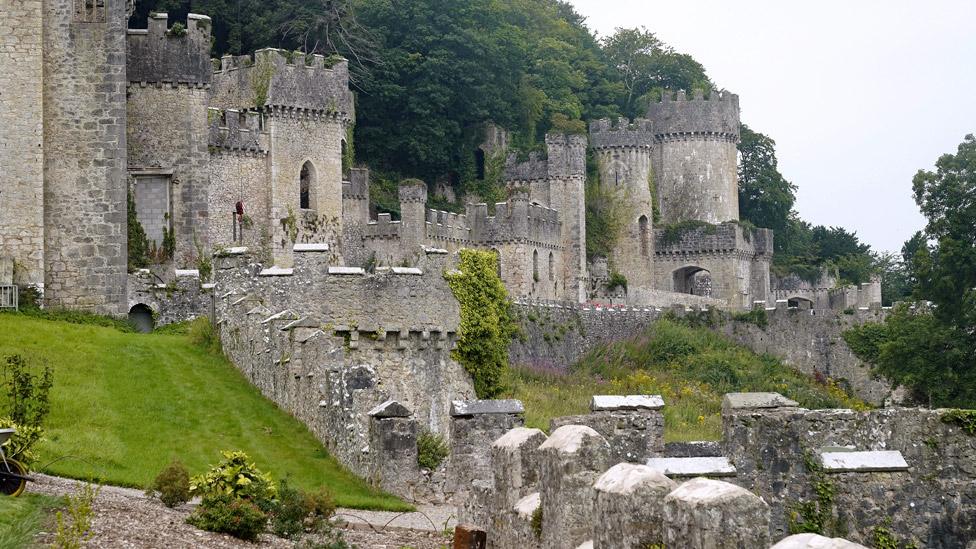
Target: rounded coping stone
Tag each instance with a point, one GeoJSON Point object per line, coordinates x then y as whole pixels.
{"type": "Point", "coordinates": [625, 478]}
{"type": "Point", "coordinates": [516, 437]}
{"type": "Point", "coordinates": [814, 541]}
{"type": "Point", "coordinates": [568, 439]}
{"type": "Point", "coordinates": [586, 545]}
{"type": "Point", "coordinates": [699, 490]}
{"type": "Point", "coordinates": [527, 505]}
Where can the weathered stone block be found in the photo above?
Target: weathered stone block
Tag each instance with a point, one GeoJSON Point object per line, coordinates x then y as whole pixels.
{"type": "Point", "coordinates": [629, 402]}
{"type": "Point", "coordinates": [474, 424]}
{"type": "Point", "coordinates": [711, 514]}
{"type": "Point", "coordinates": [693, 466]}
{"type": "Point", "coordinates": [864, 462]}
{"type": "Point", "coordinates": [393, 452]}
{"type": "Point", "coordinates": [634, 434]}
{"type": "Point", "coordinates": [629, 507]}
{"type": "Point", "coordinates": [515, 463]}
{"type": "Point", "coordinates": [747, 401]}
{"type": "Point", "coordinates": [814, 541]}
{"type": "Point", "coordinates": [571, 461]}
{"type": "Point", "coordinates": [481, 407]}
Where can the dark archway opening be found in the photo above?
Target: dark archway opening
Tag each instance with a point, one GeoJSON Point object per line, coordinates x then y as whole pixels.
{"type": "Point", "coordinates": [799, 303]}
{"type": "Point", "coordinates": [693, 280]}
{"type": "Point", "coordinates": [479, 164]}
{"type": "Point", "coordinates": [141, 318]}
{"type": "Point", "coordinates": [305, 186]}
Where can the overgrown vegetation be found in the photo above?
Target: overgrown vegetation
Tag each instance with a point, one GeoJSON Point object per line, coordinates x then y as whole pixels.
{"type": "Point", "coordinates": [817, 515]}
{"type": "Point", "coordinates": [23, 517]}
{"type": "Point", "coordinates": [138, 243]}
{"type": "Point", "coordinates": [755, 316]}
{"type": "Point", "coordinates": [74, 523]}
{"type": "Point", "coordinates": [674, 232]}
{"type": "Point", "coordinates": [487, 324]}
{"type": "Point", "coordinates": [201, 404]}
{"type": "Point", "coordinates": [24, 406]}
{"type": "Point", "coordinates": [691, 367]}
{"type": "Point", "coordinates": [432, 450]}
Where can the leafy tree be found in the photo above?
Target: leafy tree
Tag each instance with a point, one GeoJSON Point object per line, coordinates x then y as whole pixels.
{"type": "Point", "coordinates": [766, 198]}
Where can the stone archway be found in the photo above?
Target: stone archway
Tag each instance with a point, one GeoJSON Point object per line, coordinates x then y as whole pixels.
{"type": "Point", "coordinates": [141, 318]}
{"type": "Point", "coordinates": [692, 280]}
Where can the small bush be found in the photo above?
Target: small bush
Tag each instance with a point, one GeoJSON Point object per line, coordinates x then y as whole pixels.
{"type": "Point", "coordinates": [19, 446]}
{"type": "Point", "coordinates": [296, 511]}
{"type": "Point", "coordinates": [536, 522]}
{"type": "Point", "coordinates": [203, 335]}
{"type": "Point", "coordinates": [27, 393]}
{"type": "Point", "coordinates": [617, 280]}
{"type": "Point", "coordinates": [237, 477]}
{"type": "Point", "coordinates": [172, 485]}
{"type": "Point", "coordinates": [75, 522]}
{"type": "Point", "coordinates": [431, 450]}
{"type": "Point", "coordinates": [226, 514]}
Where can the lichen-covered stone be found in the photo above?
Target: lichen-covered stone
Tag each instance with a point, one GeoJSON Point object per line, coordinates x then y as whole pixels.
{"type": "Point", "coordinates": [711, 514]}
{"type": "Point", "coordinates": [629, 507]}
{"type": "Point", "coordinates": [515, 464]}
{"type": "Point", "coordinates": [634, 434]}
{"type": "Point", "coordinates": [572, 459]}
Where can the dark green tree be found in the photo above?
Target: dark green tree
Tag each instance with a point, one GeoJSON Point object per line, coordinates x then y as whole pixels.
{"type": "Point", "coordinates": [766, 198]}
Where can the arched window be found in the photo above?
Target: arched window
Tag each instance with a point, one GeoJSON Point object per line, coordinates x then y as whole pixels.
{"type": "Point", "coordinates": [306, 184]}
{"type": "Point", "coordinates": [535, 265]}
{"type": "Point", "coordinates": [552, 267]}
{"type": "Point", "coordinates": [645, 235]}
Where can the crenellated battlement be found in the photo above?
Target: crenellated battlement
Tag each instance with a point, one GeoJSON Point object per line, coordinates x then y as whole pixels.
{"type": "Point", "coordinates": [675, 114]}
{"type": "Point", "coordinates": [177, 54]}
{"type": "Point", "coordinates": [566, 155]}
{"type": "Point", "coordinates": [721, 238]}
{"type": "Point", "coordinates": [279, 80]}
{"type": "Point", "coordinates": [235, 130]}
{"type": "Point", "coordinates": [607, 133]}
{"type": "Point", "coordinates": [357, 187]}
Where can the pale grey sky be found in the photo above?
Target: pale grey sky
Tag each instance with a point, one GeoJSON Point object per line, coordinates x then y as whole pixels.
{"type": "Point", "coordinates": [858, 94]}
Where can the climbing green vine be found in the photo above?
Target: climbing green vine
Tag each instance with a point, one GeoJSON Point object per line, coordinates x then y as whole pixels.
{"type": "Point", "coordinates": [487, 323]}
{"type": "Point", "coordinates": [963, 418]}
{"type": "Point", "coordinates": [815, 516]}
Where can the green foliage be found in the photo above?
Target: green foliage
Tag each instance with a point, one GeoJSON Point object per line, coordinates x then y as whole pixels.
{"type": "Point", "coordinates": [20, 446]}
{"type": "Point", "coordinates": [691, 367]}
{"type": "Point", "coordinates": [865, 340]}
{"type": "Point", "coordinates": [816, 516]}
{"type": "Point", "coordinates": [617, 280]}
{"type": "Point", "coordinates": [202, 334]}
{"type": "Point", "coordinates": [22, 518]}
{"type": "Point", "coordinates": [674, 232]}
{"type": "Point", "coordinates": [883, 538]}
{"type": "Point", "coordinates": [73, 317]}
{"type": "Point", "coordinates": [964, 418]}
{"type": "Point", "coordinates": [536, 522]}
{"type": "Point", "coordinates": [296, 511]}
{"type": "Point", "coordinates": [755, 316]}
{"type": "Point", "coordinates": [766, 198]}
{"type": "Point", "coordinates": [27, 393]}
{"type": "Point", "coordinates": [487, 324]}
{"type": "Point", "coordinates": [238, 477]}
{"type": "Point", "coordinates": [178, 30]}
{"type": "Point", "coordinates": [605, 211]}
{"type": "Point", "coordinates": [432, 450]}
{"type": "Point", "coordinates": [138, 250]}
{"type": "Point", "coordinates": [225, 514]}
{"type": "Point", "coordinates": [261, 75]}
{"type": "Point", "coordinates": [74, 524]}
{"type": "Point", "coordinates": [171, 485]}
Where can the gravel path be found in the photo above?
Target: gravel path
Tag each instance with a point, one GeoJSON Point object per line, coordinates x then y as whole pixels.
{"type": "Point", "coordinates": [127, 518]}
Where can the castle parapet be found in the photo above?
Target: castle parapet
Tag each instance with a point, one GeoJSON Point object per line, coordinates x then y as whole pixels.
{"type": "Point", "coordinates": [282, 80]}
{"type": "Point", "coordinates": [235, 130]}
{"type": "Point", "coordinates": [178, 54]}
{"type": "Point", "coordinates": [606, 133]}
{"type": "Point", "coordinates": [718, 115]}
{"type": "Point", "coordinates": [706, 238]}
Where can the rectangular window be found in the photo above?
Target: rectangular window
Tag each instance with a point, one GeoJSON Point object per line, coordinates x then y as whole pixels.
{"type": "Point", "coordinates": [152, 198]}
{"type": "Point", "coordinates": [90, 11]}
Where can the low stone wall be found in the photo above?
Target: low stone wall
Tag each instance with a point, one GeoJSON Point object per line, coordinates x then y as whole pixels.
{"type": "Point", "coordinates": [183, 297]}
{"type": "Point", "coordinates": [557, 335]}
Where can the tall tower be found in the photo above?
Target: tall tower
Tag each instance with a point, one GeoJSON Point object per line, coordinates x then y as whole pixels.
{"type": "Point", "coordinates": [623, 152]}
{"type": "Point", "coordinates": [84, 116]}
{"type": "Point", "coordinates": [566, 167]}
{"type": "Point", "coordinates": [695, 160]}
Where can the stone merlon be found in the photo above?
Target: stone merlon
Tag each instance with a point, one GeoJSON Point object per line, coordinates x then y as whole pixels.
{"type": "Point", "coordinates": [178, 54]}
{"type": "Point", "coordinates": [717, 115]}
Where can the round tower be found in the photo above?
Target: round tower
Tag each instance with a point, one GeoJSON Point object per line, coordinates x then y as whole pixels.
{"type": "Point", "coordinates": [695, 157]}
{"type": "Point", "coordinates": [623, 152]}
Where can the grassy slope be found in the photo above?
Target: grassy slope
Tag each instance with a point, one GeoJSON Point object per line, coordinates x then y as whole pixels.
{"type": "Point", "coordinates": [125, 404]}
{"type": "Point", "coordinates": [690, 367]}
{"type": "Point", "coordinates": [23, 517]}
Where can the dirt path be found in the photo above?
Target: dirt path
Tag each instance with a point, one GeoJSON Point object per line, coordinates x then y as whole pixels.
{"type": "Point", "coordinates": [127, 518]}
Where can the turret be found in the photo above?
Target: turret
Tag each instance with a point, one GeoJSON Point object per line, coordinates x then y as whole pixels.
{"type": "Point", "coordinates": [413, 215]}
{"type": "Point", "coordinates": [695, 158]}
{"type": "Point", "coordinates": [623, 152]}
{"type": "Point", "coordinates": [178, 55]}
{"type": "Point", "coordinates": [566, 167]}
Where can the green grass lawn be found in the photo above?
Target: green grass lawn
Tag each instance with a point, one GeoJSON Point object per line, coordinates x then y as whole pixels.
{"type": "Point", "coordinates": [692, 368]}
{"type": "Point", "coordinates": [125, 404]}
{"type": "Point", "coordinates": [21, 518]}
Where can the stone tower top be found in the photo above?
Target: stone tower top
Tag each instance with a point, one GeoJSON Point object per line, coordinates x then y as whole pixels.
{"type": "Point", "coordinates": [566, 155]}
{"type": "Point", "coordinates": [676, 115]}
{"type": "Point", "coordinates": [606, 133]}
{"type": "Point", "coordinates": [178, 54]}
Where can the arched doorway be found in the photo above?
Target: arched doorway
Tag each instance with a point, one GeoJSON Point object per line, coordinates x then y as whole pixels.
{"type": "Point", "coordinates": [141, 318]}
{"type": "Point", "coordinates": [798, 302]}
{"type": "Point", "coordinates": [693, 280]}
{"type": "Point", "coordinates": [644, 227]}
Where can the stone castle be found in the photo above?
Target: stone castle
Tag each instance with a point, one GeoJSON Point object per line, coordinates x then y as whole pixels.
{"type": "Point", "coordinates": [252, 151]}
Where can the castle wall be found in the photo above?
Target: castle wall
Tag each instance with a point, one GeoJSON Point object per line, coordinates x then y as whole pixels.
{"type": "Point", "coordinates": [239, 175]}
{"type": "Point", "coordinates": [85, 160]}
{"type": "Point", "coordinates": [22, 148]}
{"type": "Point", "coordinates": [167, 130]}
{"type": "Point", "coordinates": [330, 361]}
{"type": "Point", "coordinates": [567, 174]}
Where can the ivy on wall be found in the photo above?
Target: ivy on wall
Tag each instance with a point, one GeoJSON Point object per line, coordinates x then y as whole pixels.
{"type": "Point", "coordinates": [487, 323]}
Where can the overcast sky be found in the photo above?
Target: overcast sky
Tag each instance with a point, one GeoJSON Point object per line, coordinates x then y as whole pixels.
{"type": "Point", "coordinates": [858, 94]}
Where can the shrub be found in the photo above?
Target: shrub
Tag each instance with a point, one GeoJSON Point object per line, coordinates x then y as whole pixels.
{"type": "Point", "coordinates": [431, 450]}
{"type": "Point", "coordinates": [75, 522]}
{"type": "Point", "coordinates": [237, 477]}
{"type": "Point", "coordinates": [172, 485]}
{"type": "Point", "coordinates": [203, 335]}
{"type": "Point", "coordinates": [296, 511]}
{"type": "Point", "coordinates": [487, 323]}
{"type": "Point", "coordinates": [19, 446]}
{"type": "Point", "coordinates": [226, 514]}
{"type": "Point", "coordinates": [617, 280]}
{"type": "Point", "coordinates": [27, 401]}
